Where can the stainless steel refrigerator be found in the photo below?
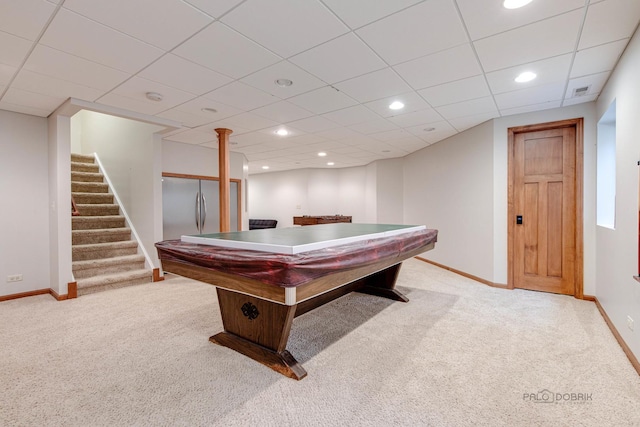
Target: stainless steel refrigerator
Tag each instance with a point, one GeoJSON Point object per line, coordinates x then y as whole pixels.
{"type": "Point", "coordinates": [191, 206]}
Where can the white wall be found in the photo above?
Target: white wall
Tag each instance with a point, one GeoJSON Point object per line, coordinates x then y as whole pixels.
{"type": "Point", "coordinates": [127, 150]}
{"type": "Point", "coordinates": [24, 229]}
{"type": "Point", "coordinates": [283, 195]}
{"type": "Point", "coordinates": [449, 186]}
{"type": "Point", "coordinates": [390, 189]}
{"type": "Point", "coordinates": [617, 249]}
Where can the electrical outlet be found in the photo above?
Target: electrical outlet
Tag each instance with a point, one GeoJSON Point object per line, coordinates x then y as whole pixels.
{"type": "Point", "coordinates": [630, 322]}
{"type": "Point", "coordinates": [298, 206]}
{"type": "Point", "coordinates": [14, 278]}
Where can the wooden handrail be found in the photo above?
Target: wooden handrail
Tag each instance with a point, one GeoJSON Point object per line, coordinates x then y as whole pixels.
{"type": "Point", "coordinates": [74, 208]}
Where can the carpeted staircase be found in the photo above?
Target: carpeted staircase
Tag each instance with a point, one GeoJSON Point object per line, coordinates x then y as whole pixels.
{"type": "Point", "coordinates": [103, 254]}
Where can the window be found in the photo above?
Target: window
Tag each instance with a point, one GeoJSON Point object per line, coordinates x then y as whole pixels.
{"type": "Point", "coordinates": [606, 169]}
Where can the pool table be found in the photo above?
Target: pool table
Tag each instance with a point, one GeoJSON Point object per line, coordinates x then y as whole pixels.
{"type": "Point", "coordinates": [266, 278]}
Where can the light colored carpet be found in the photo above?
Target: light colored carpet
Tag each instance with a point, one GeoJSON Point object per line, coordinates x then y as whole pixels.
{"type": "Point", "coordinates": [458, 354]}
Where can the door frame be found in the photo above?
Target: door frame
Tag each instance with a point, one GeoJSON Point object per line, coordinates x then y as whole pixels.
{"type": "Point", "coordinates": [578, 123]}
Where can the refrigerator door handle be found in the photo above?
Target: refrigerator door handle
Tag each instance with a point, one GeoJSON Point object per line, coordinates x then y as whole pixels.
{"type": "Point", "coordinates": [204, 210]}
{"type": "Point", "coordinates": [198, 212]}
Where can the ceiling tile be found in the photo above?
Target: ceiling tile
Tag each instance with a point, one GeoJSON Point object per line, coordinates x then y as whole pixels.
{"type": "Point", "coordinates": [579, 100]}
{"type": "Point", "coordinates": [357, 13]}
{"type": "Point", "coordinates": [468, 108]}
{"type": "Point", "coordinates": [372, 86]}
{"type": "Point", "coordinates": [87, 39]}
{"type": "Point", "coordinates": [214, 8]}
{"type": "Point", "coordinates": [548, 71]}
{"type": "Point", "coordinates": [434, 23]}
{"type": "Point", "coordinates": [33, 82]}
{"type": "Point", "coordinates": [464, 123]}
{"type": "Point", "coordinates": [283, 112]}
{"type": "Point", "coordinates": [411, 100]}
{"type": "Point", "coordinates": [187, 119]}
{"type": "Point", "coordinates": [39, 112]}
{"type": "Point", "coordinates": [35, 100]}
{"type": "Point", "coordinates": [544, 39]}
{"type": "Point", "coordinates": [530, 96]}
{"type": "Point", "coordinates": [195, 106]}
{"type": "Point", "coordinates": [131, 104]}
{"type": "Point", "coordinates": [598, 28]}
{"type": "Point", "coordinates": [63, 66]}
{"type": "Point", "coordinates": [339, 134]}
{"type": "Point", "coordinates": [271, 23]}
{"type": "Point", "coordinates": [191, 136]}
{"type": "Point", "coordinates": [595, 82]}
{"type": "Point", "coordinates": [339, 59]}
{"type": "Point", "coordinates": [484, 18]}
{"type": "Point", "coordinates": [250, 121]}
{"type": "Point", "coordinates": [351, 115]}
{"type": "Point", "coordinates": [236, 57]}
{"type": "Point", "coordinates": [266, 80]}
{"type": "Point", "coordinates": [241, 96]}
{"type": "Point", "coordinates": [25, 18]}
{"type": "Point", "coordinates": [416, 118]}
{"type": "Point", "coordinates": [314, 124]}
{"type": "Point", "coordinates": [598, 59]}
{"type": "Point", "coordinates": [179, 73]}
{"type": "Point", "coordinates": [458, 91]}
{"type": "Point", "coordinates": [376, 126]}
{"type": "Point", "coordinates": [13, 49]}
{"type": "Point", "coordinates": [431, 132]}
{"type": "Point", "coordinates": [152, 21]}
{"type": "Point", "coordinates": [442, 67]}
{"type": "Point", "coordinates": [6, 74]}
{"type": "Point", "coordinates": [323, 100]}
{"type": "Point", "coordinates": [137, 88]}
{"type": "Point", "coordinates": [391, 135]}
{"type": "Point", "coordinates": [532, 108]}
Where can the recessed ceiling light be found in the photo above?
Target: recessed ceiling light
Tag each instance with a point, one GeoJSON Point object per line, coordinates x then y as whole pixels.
{"type": "Point", "coordinates": [514, 4]}
{"type": "Point", "coordinates": [322, 154]}
{"type": "Point", "coordinates": [154, 96]}
{"type": "Point", "coordinates": [396, 105]}
{"type": "Point", "coordinates": [208, 110]}
{"type": "Point", "coordinates": [282, 132]}
{"type": "Point", "coordinates": [330, 163]}
{"type": "Point", "coordinates": [284, 82]}
{"type": "Point", "coordinates": [527, 76]}
{"type": "Point", "coordinates": [429, 129]}
{"type": "Point", "coordinates": [265, 167]}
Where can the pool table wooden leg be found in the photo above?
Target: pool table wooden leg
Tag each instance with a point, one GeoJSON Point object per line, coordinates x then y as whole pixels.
{"type": "Point", "coordinates": [258, 329]}
{"type": "Point", "coordinates": [383, 284]}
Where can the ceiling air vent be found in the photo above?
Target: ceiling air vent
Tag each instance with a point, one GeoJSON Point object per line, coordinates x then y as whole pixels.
{"type": "Point", "coordinates": [581, 91]}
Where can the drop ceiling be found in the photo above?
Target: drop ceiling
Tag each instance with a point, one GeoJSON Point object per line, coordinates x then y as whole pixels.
{"type": "Point", "coordinates": [451, 62]}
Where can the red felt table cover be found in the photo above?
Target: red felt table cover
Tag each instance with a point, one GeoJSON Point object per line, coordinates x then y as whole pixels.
{"type": "Point", "coordinates": [294, 270]}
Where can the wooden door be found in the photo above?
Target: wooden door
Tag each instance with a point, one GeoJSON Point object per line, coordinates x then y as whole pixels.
{"type": "Point", "coordinates": [543, 209]}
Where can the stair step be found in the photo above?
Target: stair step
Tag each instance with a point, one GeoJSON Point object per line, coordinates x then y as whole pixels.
{"type": "Point", "coordinates": [95, 209]}
{"type": "Point", "coordinates": [89, 187]}
{"type": "Point", "coordinates": [84, 237]}
{"type": "Point", "coordinates": [86, 177]}
{"type": "Point", "coordinates": [84, 167]}
{"type": "Point", "coordinates": [95, 267]}
{"type": "Point", "coordinates": [82, 158]}
{"type": "Point", "coordinates": [103, 250]}
{"type": "Point", "coordinates": [91, 198]}
{"type": "Point", "coordinates": [113, 281]}
{"type": "Point", "coordinates": [97, 222]}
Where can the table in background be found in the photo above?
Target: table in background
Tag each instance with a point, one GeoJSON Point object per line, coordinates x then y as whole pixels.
{"type": "Point", "coordinates": [321, 219]}
{"type": "Point", "coordinates": [260, 292]}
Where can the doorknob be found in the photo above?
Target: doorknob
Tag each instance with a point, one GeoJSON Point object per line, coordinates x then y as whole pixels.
{"type": "Point", "coordinates": [519, 219]}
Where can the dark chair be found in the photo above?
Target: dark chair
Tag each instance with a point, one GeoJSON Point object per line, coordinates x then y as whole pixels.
{"type": "Point", "coordinates": [258, 224]}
